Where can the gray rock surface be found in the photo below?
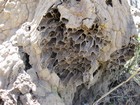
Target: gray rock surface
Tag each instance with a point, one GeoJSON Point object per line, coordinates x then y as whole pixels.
{"type": "Point", "coordinates": [50, 49]}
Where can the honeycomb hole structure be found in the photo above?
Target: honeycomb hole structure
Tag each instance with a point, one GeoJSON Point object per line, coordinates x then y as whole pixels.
{"type": "Point", "coordinates": [68, 52]}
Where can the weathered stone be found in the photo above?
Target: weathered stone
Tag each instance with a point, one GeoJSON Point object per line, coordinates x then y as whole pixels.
{"type": "Point", "coordinates": [51, 50]}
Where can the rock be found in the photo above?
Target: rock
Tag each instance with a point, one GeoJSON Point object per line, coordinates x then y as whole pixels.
{"type": "Point", "coordinates": [51, 50]}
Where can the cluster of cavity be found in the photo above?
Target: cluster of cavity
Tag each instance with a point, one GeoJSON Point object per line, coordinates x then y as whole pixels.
{"type": "Point", "coordinates": [69, 52]}
{"type": "Point", "coordinates": [120, 57]}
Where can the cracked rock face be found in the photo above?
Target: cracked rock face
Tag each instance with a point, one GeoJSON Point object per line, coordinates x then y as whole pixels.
{"type": "Point", "coordinates": [52, 50]}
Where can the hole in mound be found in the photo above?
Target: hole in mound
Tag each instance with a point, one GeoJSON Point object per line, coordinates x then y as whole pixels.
{"type": "Point", "coordinates": [120, 1]}
{"type": "Point", "coordinates": [51, 42]}
{"type": "Point", "coordinates": [61, 43]}
{"type": "Point", "coordinates": [52, 34]}
{"type": "Point", "coordinates": [82, 37]}
{"type": "Point", "coordinates": [64, 20]}
{"type": "Point", "coordinates": [28, 28]}
{"type": "Point", "coordinates": [95, 73]}
{"type": "Point", "coordinates": [56, 11]}
{"type": "Point", "coordinates": [77, 47]}
{"type": "Point", "coordinates": [49, 15]}
{"type": "Point", "coordinates": [25, 58]}
{"type": "Point", "coordinates": [53, 55]}
{"type": "Point", "coordinates": [64, 74]}
{"type": "Point", "coordinates": [109, 2]}
{"type": "Point", "coordinates": [26, 62]}
{"type": "Point", "coordinates": [56, 14]}
{"type": "Point", "coordinates": [95, 28]}
{"type": "Point", "coordinates": [40, 28]}
{"type": "Point", "coordinates": [1, 102]}
{"type": "Point", "coordinates": [78, 0]}
{"type": "Point", "coordinates": [55, 63]}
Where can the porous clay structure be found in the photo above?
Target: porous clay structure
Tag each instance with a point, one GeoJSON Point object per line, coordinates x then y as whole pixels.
{"type": "Point", "coordinates": [54, 49]}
